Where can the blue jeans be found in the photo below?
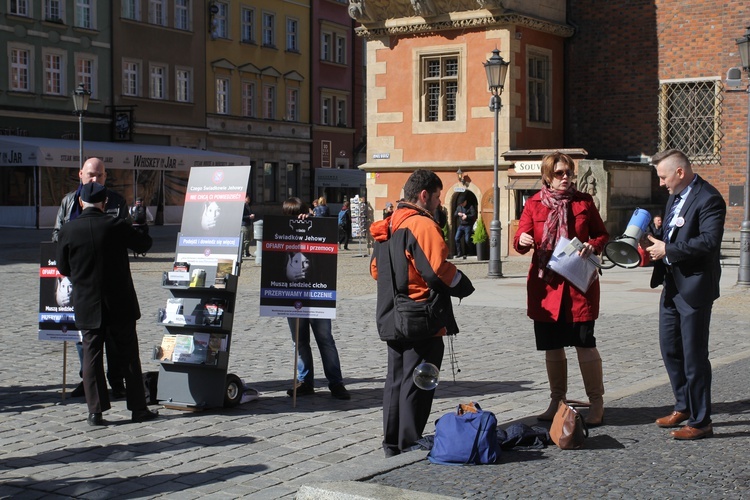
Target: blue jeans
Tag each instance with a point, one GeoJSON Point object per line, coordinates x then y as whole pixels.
{"type": "Point", "coordinates": [465, 232]}
{"type": "Point", "coordinates": [328, 353]}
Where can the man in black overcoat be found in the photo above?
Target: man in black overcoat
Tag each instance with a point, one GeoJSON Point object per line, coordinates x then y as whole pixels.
{"type": "Point", "coordinates": [93, 251]}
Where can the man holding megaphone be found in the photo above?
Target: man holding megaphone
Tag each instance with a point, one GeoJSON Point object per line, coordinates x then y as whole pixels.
{"type": "Point", "coordinates": [686, 263]}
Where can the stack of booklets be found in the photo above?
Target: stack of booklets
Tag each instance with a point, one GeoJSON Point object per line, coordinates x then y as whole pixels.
{"type": "Point", "coordinates": [198, 348]}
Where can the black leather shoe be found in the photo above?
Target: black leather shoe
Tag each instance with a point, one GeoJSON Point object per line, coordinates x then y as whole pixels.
{"type": "Point", "coordinates": [144, 415]}
{"type": "Point", "coordinates": [78, 391]}
{"type": "Point", "coordinates": [95, 419]}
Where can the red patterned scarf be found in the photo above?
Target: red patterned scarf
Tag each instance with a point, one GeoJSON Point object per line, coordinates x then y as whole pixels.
{"type": "Point", "coordinates": [556, 225]}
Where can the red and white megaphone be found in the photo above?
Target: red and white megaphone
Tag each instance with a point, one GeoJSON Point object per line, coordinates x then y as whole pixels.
{"type": "Point", "coordinates": [623, 250]}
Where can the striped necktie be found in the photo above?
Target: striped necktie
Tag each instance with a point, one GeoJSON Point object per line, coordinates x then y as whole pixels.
{"type": "Point", "coordinates": [667, 223]}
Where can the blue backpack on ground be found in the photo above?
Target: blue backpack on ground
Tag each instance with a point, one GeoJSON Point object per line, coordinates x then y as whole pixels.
{"type": "Point", "coordinates": [467, 436]}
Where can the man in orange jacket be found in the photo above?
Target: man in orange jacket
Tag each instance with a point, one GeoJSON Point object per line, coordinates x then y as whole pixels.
{"type": "Point", "coordinates": [410, 257]}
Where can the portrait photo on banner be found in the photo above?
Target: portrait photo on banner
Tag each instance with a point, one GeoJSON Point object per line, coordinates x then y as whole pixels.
{"type": "Point", "coordinates": [298, 274]}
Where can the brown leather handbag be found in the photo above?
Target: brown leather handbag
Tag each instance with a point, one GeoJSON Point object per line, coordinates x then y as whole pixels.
{"type": "Point", "coordinates": [568, 429]}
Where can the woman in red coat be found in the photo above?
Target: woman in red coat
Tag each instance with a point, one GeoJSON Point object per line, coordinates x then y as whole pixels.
{"type": "Point", "coordinates": [563, 316]}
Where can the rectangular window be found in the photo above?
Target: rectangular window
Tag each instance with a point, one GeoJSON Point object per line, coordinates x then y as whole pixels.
{"type": "Point", "coordinates": [53, 74]}
{"type": "Point", "coordinates": [690, 116]}
{"type": "Point", "coordinates": [269, 102]}
{"type": "Point", "coordinates": [539, 88]}
{"type": "Point", "coordinates": [439, 88]}
{"type": "Point", "coordinates": [182, 14]}
{"type": "Point", "coordinates": [269, 36]}
{"type": "Point", "coordinates": [292, 183]}
{"type": "Point", "coordinates": [130, 78]}
{"type": "Point", "coordinates": [131, 9]}
{"type": "Point", "coordinates": [85, 71]}
{"type": "Point", "coordinates": [248, 25]}
{"type": "Point", "coordinates": [326, 111]}
{"type": "Point", "coordinates": [222, 96]}
{"type": "Point", "coordinates": [292, 100]}
{"type": "Point", "coordinates": [84, 14]}
{"type": "Point", "coordinates": [53, 10]}
{"type": "Point", "coordinates": [20, 8]}
{"type": "Point", "coordinates": [20, 63]}
{"type": "Point", "coordinates": [341, 112]}
{"type": "Point", "coordinates": [292, 28]}
{"type": "Point", "coordinates": [157, 12]}
{"type": "Point", "coordinates": [248, 99]}
{"type": "Point", "coordinates": [158, 83]}
{"type": "Point", "coordinates": [325, 46]}
{"type": "Point", "coordinates": [221, 21]}
{"type": "Point", "coordinates": [341, 50]}
{"type": "Point", "coordinates": [184, 85]}
{"type": "Point", "coordinates": [270, 176]}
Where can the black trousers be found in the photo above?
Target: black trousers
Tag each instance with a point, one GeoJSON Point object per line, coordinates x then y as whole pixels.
{"type": "Point", "coordinates": [406, 408]}
{"type": "Point", "coordinates": [128, 360]}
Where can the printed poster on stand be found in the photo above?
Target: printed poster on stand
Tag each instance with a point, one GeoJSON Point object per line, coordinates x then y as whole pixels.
{"type": "Point", "coordinates": [57, 320]}
{"type": "Point", "coordinates": [210, 237]}
{"type": "Point", "coordinates": [298, 273]}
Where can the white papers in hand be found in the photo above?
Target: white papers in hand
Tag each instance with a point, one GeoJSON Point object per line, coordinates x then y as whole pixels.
{"type": "Point", "coordinates": [566, 262]}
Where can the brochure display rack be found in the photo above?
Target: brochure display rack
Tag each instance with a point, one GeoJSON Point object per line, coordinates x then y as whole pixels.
{"type": "Point", "coordinates": [198, 314]}
{"type": "Point", "coordinates": [194, 353]}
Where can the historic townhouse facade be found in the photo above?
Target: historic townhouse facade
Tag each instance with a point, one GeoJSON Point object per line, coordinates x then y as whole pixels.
{"type": "Point", "coordinates": [48, 48]}
{"type": "Point", "coordinates": [257, 92]}
{"type": "Point", "coordinates": [602, 80]}
{"type": "Point", "coordinates": [336, 99]}
{"type": "Point", "coordinates": [428, 97]}
{"type": "Point", "coordinates": [174, 84]}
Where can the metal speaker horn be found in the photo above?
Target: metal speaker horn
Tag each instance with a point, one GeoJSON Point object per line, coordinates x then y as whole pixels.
{"type": "Point", "coordinates": [623, 250]}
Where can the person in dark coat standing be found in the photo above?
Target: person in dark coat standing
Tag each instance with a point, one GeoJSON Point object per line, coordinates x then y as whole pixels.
{"type": "Point", "coordinates": [94, 170]}
{"type": "Point", "coordinates": [92, 251]}
{"type": "Point", "coordinates": [345, 225]}
{"type": "Point", "coordinates": [686, 263]}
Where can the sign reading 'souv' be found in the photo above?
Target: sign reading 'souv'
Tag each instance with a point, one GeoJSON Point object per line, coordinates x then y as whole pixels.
{"type": "Point", "coordinates": [298, 277]}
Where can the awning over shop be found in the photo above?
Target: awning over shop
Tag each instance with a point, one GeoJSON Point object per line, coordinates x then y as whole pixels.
{"type": "Point", "coordinates": [525, 183]}
{"type": "Point", "coordinates": [43, 152]}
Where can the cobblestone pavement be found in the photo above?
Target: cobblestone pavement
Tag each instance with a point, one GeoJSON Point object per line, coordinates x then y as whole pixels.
{"type": "Point", "coordinates": [268, 449]}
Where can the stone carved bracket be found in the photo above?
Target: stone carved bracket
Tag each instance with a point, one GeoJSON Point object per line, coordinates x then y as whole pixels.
{"type": "Point", "coordinates": [367, 11]}
{"type": "Point", "coordinates": [372, 29]}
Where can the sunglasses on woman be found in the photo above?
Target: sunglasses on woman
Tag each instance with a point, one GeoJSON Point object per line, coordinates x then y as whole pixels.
{"type": "Point", "coordinates": [563, 173]}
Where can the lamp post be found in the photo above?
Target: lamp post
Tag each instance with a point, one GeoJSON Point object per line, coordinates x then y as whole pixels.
{"type": "Point", "coordinates": [743, 275]}
{"type": "Point", "coordinates": [81, 98]}
{"type": "Point", "coordinates": [496, 69]}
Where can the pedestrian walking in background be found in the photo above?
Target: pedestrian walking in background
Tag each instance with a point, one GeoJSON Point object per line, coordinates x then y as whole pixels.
{"type": "Point", "coordinates": [388, 210]}
{"type": "Point", "coordinates": [322, 210]}
{"type": "Point", "coordinates": [247, 226]}
{"type": "Point", "coordinates": [409, 246]}
{"type": "Point", "coordinates": [686, 264]}
{"type": "Point", "coordinates": [93, 251]}
{"type": "Point", "coordinates": [563, 315]}
{"type": "Point", "coordinates": [345, 225]}
{"type": "Point", "coordinates": [465, 216]}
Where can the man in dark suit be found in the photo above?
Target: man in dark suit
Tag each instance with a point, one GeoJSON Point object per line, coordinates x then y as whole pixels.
{"type": "Point", "coordinates": [686, 262]}
{"type": "Point", "coordinates": [93, 251]}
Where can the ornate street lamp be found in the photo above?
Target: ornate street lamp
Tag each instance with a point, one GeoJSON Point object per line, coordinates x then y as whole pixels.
{"type": "Point", "coordinates": [496, 69]}
{"type": "Point", "coordinates": [743, 275]}
{"type": "Point", "coordinates": [81, 98]}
